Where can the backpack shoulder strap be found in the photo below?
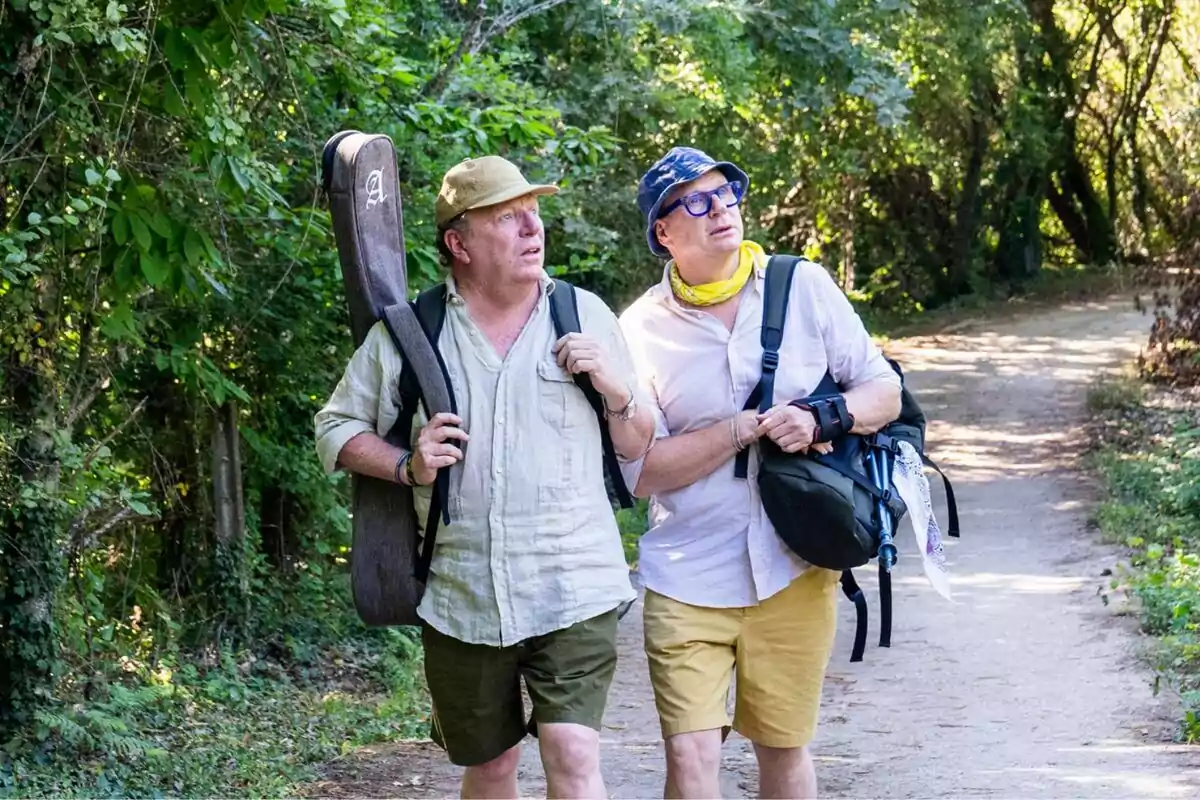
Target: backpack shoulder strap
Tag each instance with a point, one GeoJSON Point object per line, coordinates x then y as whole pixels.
{"type": "Point", "coordinates": [415, 328]}
{"type": "Point", "coordinates": [564, 312]}
{"type": "Point", "coordinates": [776, 292]}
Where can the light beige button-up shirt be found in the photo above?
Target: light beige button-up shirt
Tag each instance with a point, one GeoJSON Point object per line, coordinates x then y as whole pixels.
{"type": "Point", "coordinates": [533, 544]}
{"type": "Point", "coordinates": [711, 543]}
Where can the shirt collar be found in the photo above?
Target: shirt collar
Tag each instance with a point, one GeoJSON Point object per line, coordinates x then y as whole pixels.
{"type": "Point", "coordinates": [454, 298]}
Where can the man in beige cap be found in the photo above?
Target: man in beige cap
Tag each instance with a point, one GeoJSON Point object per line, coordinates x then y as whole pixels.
{"type": "Point", "coordinates": [527, 579]}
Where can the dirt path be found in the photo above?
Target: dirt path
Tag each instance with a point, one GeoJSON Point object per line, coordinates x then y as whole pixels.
{"type": "Point", "coordinates": [1025, 686]}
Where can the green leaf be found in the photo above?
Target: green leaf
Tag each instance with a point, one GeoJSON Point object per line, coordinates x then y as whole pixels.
{"type": "Point", "coordinates": [141, 508]}
{"type": "Point", "coordinates": [92, 176]}
{"type": "Point", "coordinates": [159, 223]}
{"type": "Point", "coordinates": [173, 101]}
{"type": "Point", "coordinates": [193, 248]}
{"type": "Point", "coordinates": [119, 323]}
{"type": "Point", "coordinates": [217, 286]}
{"type": "Point", "coordinates": [113, 12]}
{"type": "Point", "coordinates": [35, 218]}
{"type": "Point", "coordinates": [120, 228]}
{"type": "Point", "coordinates": [156, 269]}
{"type": "Point", "coordinates": [123, 269]}
{"type": "Point", "coordinates": [238, 175]}
{"type": "Point", "coordinates": [214, 255]}
{"type": "Point", "coordinates": [141, 232]}
{"type": "Point", "coordinates": [176, 48]}
{"type": "Point", "coordinates": [80, 205]}
{"type": "Point", "coordinates": [112, 175]}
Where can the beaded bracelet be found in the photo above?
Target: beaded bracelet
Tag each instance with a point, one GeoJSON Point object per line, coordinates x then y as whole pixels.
{"type": "Point", "coordinates": [402, 468]}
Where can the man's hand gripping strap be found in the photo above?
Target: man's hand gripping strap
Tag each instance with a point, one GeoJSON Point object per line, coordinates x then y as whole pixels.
{"type": "Point", "coordinates": [833, 420]}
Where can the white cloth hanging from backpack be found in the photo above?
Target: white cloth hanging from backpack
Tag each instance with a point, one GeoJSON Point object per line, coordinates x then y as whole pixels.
{"type": "Point", "coordinates": [908, 477]}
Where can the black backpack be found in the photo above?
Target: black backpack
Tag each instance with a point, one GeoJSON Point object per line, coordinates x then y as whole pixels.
{"type": "Point", "coordinates": [836, 511]}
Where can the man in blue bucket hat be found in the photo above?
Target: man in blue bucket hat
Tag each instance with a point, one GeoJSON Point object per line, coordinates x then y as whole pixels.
{"type": "Point", "coordinates": [723, 592]}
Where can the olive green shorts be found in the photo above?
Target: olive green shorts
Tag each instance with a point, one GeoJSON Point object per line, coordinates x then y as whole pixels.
{"type": "Point", "coordinates": [478, 711]}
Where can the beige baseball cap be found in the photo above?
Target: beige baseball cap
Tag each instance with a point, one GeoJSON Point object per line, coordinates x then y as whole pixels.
{"type": "Point", "coordinates": [479, 182]}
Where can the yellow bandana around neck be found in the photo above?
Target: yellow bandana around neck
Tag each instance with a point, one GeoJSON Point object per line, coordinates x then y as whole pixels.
{"type": "Point", "coordinates": [710, 294]}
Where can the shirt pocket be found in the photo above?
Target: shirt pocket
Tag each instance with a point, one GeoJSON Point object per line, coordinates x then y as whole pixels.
{"type": "Point", "coordinates": [556, 397]}
{"type": "Point", "coordinates": [565, 440]}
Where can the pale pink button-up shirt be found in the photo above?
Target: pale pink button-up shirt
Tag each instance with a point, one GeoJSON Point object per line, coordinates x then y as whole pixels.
{"type": "Point", "coordinates": [711, 543]}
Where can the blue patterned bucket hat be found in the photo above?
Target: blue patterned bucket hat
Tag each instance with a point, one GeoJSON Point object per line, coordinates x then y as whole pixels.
{"type": "Point", "coordinates": [679, 166]}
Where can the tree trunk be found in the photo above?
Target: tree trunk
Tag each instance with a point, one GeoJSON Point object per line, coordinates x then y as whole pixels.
{"type": "Point", "coordinates": [1019, 253]}
{"type": "Point", "coordinates": [1074, 199]}
{"type": "Point", "coordinates": [32, 573]}
{"type": "Point", "coordinates": [1110, 169]}
{"type": "Point", "coordinates": [966, 216]}
{"type": "Point", "coordinates": [1141, 186]}
{"type": "Point", "coordinates": [228, 576]}
{"type": "Point", "coordinates": [1101, 235]}
{"type": "Point", "coordinates": [848, 237]}
{"type": "Point", "coordinates": [182, 531]}
{"type": "Point", "coordinates": [228, 508]}
{"type": "Point", "coordinates": [277, 538]}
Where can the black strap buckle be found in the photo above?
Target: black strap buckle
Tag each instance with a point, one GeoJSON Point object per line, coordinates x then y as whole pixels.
{"type": "Point", "coordinates": [770, 359]}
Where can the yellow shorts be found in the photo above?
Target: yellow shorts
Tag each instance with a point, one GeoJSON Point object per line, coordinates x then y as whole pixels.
{"type": "Point", "coordinates": [780, 649]}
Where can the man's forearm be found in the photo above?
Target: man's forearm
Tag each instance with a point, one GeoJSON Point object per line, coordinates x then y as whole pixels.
{"type": "Point", "coordinates": [677, 461]}
{"type": "Point", "coordinates": [630, 437]}
{"type": "Point", "coordinates": [368, 454]}
{"type": "Point", "coordinates": [873, 405]}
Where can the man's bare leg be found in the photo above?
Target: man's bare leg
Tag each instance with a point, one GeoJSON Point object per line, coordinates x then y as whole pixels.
{"type": "Point", "coordinates": [785, 772]}
{"type": "Point", "coordinates": [493, 779]}
{"type": "Point", "coordinates": [694, 765]}
{"type": "Point", "coordinates": [571, 759]}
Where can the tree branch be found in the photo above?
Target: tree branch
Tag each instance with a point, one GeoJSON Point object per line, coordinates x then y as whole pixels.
{"type": "Point", "coordinates": [502, 24]}
{"type": "Point", "coordinates": [80, 408]}
{"type": "Point", "coordinates": [433, 90]}
{"type": "Point", "coordinates": [1160, 43]}
{"type": "Point", "coordinates": [1089, 81]}
{"type": "Point", "coordinates": [87, 462]}
{"type": "Point", "coordinates": [1186, 60]}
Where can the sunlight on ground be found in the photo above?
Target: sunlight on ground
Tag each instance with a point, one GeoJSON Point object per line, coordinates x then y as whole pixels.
{"type": "Point", "coordinates": [1020, 584]}
{"type": "Point", "coordinates": [1117, 746]}
{"type": "Point", "coordinates": [1135, 784]}
{"type": "Point", "coordinates": [1009, 355]}
{"type": "Point", "coordinates": [995, 452]}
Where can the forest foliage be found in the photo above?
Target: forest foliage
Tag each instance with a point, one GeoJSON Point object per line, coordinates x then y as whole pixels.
{"type": "Point", "coordinates": [171, 301]}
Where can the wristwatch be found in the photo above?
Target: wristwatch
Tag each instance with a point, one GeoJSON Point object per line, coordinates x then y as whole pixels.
{"type": "Point", "coordinates": [625, 414]}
